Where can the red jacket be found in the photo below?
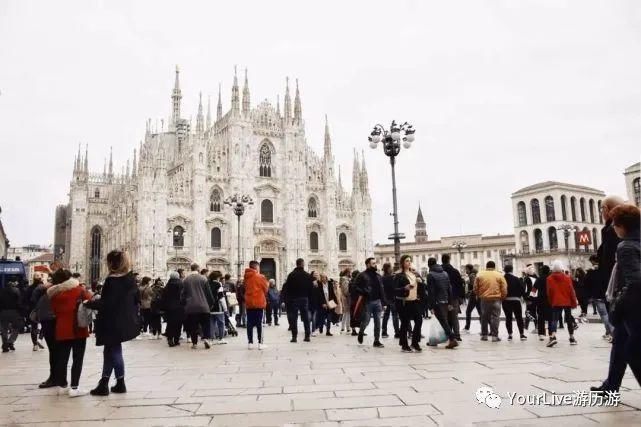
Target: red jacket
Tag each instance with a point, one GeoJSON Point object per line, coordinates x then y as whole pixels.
{"type": "Point", "coordinates": [256, 287]}
{"type": "Point", "coordinates": [560, 290]}
{"type": "Point", "coordinates": [64, 299]}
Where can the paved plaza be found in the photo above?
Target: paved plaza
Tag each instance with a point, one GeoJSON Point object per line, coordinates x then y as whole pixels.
{"type": "Point", "coordinates": [330, 382]}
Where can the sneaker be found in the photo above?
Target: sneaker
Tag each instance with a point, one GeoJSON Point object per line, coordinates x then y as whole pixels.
{"type": "Point", "coordinates": [207, 345]}
{"type": "Point", "coordinates": [573, 341]}
{"type": "Point", "coordinates": [385, 335]}
{"type": "Point", "coordinates": [329, 334]}
{"type": "Point", "coordinates": [313, 334]}
{"type": "Point", "coordinates": [35, 348]}
{"type": "Point", "coordinates": [407, 350]}
{"type": "Point", "coordinates": [466, 330]}
{"type": "Point", "coordinates": [451, 344]}
{"type": "Point", "coordinates": [496, 339]}
{"type": "Point", "coordinates": [552, 342]}
{"type": "Point", "coordinates": [360, 338]}
{"type": "Point", "coordinates": [12, 347]}
{"type": "Point", "coordinates": [250, 346]}
{"type": "Point", "coordinates": [523, 337]}
{"type": "Point", "coordinates": [194, 346]}
{"type": "Point", "coordinates": [457, 338]}
{"type": "Point", "coordinates": [307, 339]}
{"type": "Point", "coordinates": [76, 392]}
{"type": "Point", "coordinates": [262, 346]}
{"type": "Point", "coordinates": [378, 344]}
{"type": "Point", "coordinates": [293, 340]}
{"type": "Point", "coordinates": [417, 348]}
{"type": "Point", "coordinates": [40, 346]}
{"type": "Point", "coordinates": [509, 337]}
{"type": "Point", "coordinates": [222, 341]}
{"type": "Point", "coordinates": [541, 337]}
{"type": "Point", "coordinates": [63, 390]}
{"type": "Point", "coordinates": [47, 384]}
{"type": "Point", "coordinates": [483, 337]}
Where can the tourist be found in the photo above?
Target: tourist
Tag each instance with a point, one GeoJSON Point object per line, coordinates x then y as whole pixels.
{"type": "Point", "coordinates": [314, 302]}
{"type": "Point", "coordinates": [440, 297]}
{"type": "Point", "coordinates": [155, 318]}
{"type": "Point", "coordinates": [64, 296]}
{"type": "Point", "coordinates": [369, 287]}
{"type": "Point", "coordinates": [241, 316]}
{"type": "Point", "coordinates": [117, 320]}
{"type": "Point", "coordinates": [338, 311]}
{"type": "Point", "coordinates": [44, 314]}
{"type": "Point", "coordinates": [543, 309]}
{"type": "Point", "coordinates": [408, 306]}
{"type": "Point", "coordinates": [219, 308]}
{"type": "Point", "coordinates": [625, 298]}
{"type": "Point", "coordinates": [343, 283]}
{"type": "Point", "coordinates": [390, 296]}
{"type": "Point", "coordinates": [596, 283]}
{"type": "Point", "coordinates": [256, 288]}
{"type": "Point", "coordinates": [30, 303]}
{"type": "Point", "coordinates": [582, 293]}
{"type": "Point", "coordinates": [174, 310]}
{"type": "Point", "coordinates": [458, 294]}
{"type": "Point", "coordinates": [562, 297]}
{"type": "Point", "coordinates": [327, 303]}
{"type": "Point", "coordinates": [512, 304]}
{"type": "Point", "coordinates": [273, 303]}
{"type": "Point", "coordinates": [472, 300]}
{"type": "Point", "coordinates": [491, 288]}
{"type": "Point", "coordinates": [356, 311]}
{"type": "Point", "coordinates": [530, 300]}
{"type": "Point", "coordinates": [11, 319]}
{"type": "Point", "coordinates": [146, 296]}
{"type": "Point", "coordinates": [198, 299]}
{"type": "Point", "coordinates": [296, 293]}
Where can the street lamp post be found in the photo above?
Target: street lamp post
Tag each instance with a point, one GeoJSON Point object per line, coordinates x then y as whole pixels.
{"type": "Point", "coordinates": [238, 203]}
{"type": "Point", "coordinates": [459, 246]}
{"type": "Point", "coordinates": [567, 228]}
{"type": "Point", "coordinates": [391, 141]}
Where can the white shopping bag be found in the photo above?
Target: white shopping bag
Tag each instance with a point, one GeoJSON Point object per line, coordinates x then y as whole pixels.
{"type": "Point", "coordinates": [436, 333]}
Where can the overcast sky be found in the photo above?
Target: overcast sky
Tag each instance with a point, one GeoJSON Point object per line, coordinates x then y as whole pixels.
{"type": "Point", "coordinates": [502, 94]}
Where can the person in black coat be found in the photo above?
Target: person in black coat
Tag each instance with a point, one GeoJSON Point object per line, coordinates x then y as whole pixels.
{"type": "Point", "coordinates": [117, 320]}
{"type": "Point", "coordinates": [543, 309]}
{"type": "Point", "coordinates": [296, 293]}
{"type": "Point", "coordinates": [370, 291]}
{"type": "Point", "coordinates": [512, 303]}
{"type": "Point", "coordinates": [390, 295]}
{"type": "Point", "coordinates": [458, 294]}
{"type": "Point", "coordinates": [596, 284]}
{"type": "Point", "coordinates": [170, 304]}
{"type": "Point", "coordinates": [324, 293]}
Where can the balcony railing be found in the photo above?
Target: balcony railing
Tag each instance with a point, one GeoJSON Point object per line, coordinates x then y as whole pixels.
{"type": "Point", "coordinates": [559, 251]}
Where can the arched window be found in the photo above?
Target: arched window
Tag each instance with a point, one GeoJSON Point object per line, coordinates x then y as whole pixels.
{"type": "Point", "coordinates": [554, 243]}
{"type": "Point", "coordinates": [179, 236]}
{"type": "Point", "coordinates": [265, 158]}
{"type": "Point", "coordinates": [591, 206]}
{"type": "Point", "coordinates": [549, 209]}
{"type": "Point", "coordinates": [573, 207]}
{"type": "Point", "coordinates": [313, 241]}
{"type": "Point", "coordinates": [582, 209]}
{"type": "Point", "coordinates": [215, 200]}
{"type": "Point", "coordinates": [312, 208]}
{"type": "Point", "coordinates": [636, 190]}
{"type": "Point", "coordinates": [520, 208]}
{"type": "Point", "coordinates": [525, 241]}
{"type": "Point", "coordinates": [595, 244]}
{"type": "Point", "coordinates": [267, 211]}
{"type": "Point", "coordinates": [342, 242]}
{"type": "Point", "coordinates": [536, 211]}
{"type": "Point", "coordinates": [96, 193]}
{"type": "Point", "coordinates": [600, 212]}
{"type": "Point", "coordinates": [216, 241]}
{"type": "Point", "coordinates": [538, 240]}
{"type": "Point", "coordinates": [564, 209]}
{"type": "Point", "coordinates": [96, 252]}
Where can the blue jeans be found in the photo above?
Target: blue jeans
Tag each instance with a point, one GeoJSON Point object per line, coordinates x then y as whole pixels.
{"type": "Point", "coordinates": [254, 320]}
{"type": "Point", "coordinates": [556, 316]}
{"type": "Point", "coordinates": [218, 325]}
{"type": "Point", "coordinates": [375, 309]}
{"type": "Point", "coordinates": [323, 319]}
{"type": "Point", "coordinates": [603, 313]}
{"type": "Point", "coordinates": [113, 361]}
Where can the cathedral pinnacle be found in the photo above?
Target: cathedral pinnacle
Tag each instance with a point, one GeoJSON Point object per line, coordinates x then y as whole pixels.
{"type": "Point", "coordinates": [134, 167]}
{"type": "Point", "coordinates": [235, 96]}
{"type": "Point", "coordinates": [287, 103]}
{"type": "Point", "coordinates": [199, 118]}
{"type": "Point", "coordinates": [86, 166]}
{"type": "Point", "coordinates": [111, 161]}
{"type": "Point", "coordinates": [356, 174]}
{"type": "Point", "coordinates": [208, 124]}
{"type": "Point", "coordinates": [246, 101]}
{"type": "Point", "coordinates": [364, 178]}
{"type": "Point", "coordinates": [175, 99]}
{"type": "Point", "coordinates": [298, 110]}
{"type": "Point", "coordinates": [328, 141]}
{"type": "Point", "coordinates": [219, 107]}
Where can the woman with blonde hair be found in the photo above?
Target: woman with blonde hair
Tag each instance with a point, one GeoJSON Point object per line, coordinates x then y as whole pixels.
{"type": "Point", "coordinates": [117, 320]}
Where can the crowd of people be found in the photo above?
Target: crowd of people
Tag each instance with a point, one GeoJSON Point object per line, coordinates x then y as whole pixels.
{"type": "Point", "coordinates": [206, 307]}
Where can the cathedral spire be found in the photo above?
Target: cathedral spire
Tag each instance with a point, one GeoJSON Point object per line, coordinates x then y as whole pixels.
{"type": "Point", "coordinates": [364, 178]}
{"type": "Point", "coordinates": [288, 103]}
{"type": "Point", "coordinates": [175, 98]}
{"type": "Point", "coordinates": [104, 168]}
{"type": "Point", "coordinates": [298, 110]}
{"type": "Point", "coordinates": [235, 96]}
{"type": "Point", "coordinates": [246, 101]}
{"type": "Point", "coordinates": [86, 165]}
{"type": "Point", "coordinates": [328, 141]}
{"type": "Point", "coordinates": [356, 174]}
{"type": "Point", "coordinates": [111, 161]}
{"type": "Point", "coordinates": [134, 167]}
{"type": "Point", "coordinates": [208, 124]}
{"type": "Point", "coordinates": [127, 170]}
{"type": "Point", "coordinates": [200, 127]}
{"type": "Point", "coordinates": [340, 179]}
{"type": "Point", "coordinates": [278, 105]}
{"type": "Point", "coordinates": [219, 107]}
{"type": "Point", "coordinates": [76, 163]}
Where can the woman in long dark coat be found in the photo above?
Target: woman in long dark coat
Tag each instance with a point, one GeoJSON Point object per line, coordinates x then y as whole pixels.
{"type": "Point", "coordinates": [170, 304]}
{"type": "Point", "coordinates": [117, 320]}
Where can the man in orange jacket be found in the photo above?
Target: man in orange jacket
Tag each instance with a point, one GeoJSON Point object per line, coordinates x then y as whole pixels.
{"type": "Point", "coordinates": [256, 287]}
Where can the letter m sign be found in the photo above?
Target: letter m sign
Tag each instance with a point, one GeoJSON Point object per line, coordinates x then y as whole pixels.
{"type": "Point", "coordinates": [585, 238]}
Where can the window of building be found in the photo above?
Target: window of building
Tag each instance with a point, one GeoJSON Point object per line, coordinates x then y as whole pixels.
{"type": "Point", "coordinates": [520, 207]}
{"type": "Point", "coordinates": [591, 207]}
{"type": "Point", "coordinates": [313, 241]}
{"type": "Point", "coordinates": [476, 254]}
{"type": "Point", "coordinates": [582, 209]}
{"type": "Point", "coordinates": [267, 211]}
{"type": "Point", "coordinates": [600, 207]}
{"type": "Point", "coordinates": [525, 241]}
{"type": "Point", "coordinates": [536, 211]}
{"type": "Point", "coordinates": [342, 242]}
{"type": "Point", "coordinates": [489, 254]}
{"type": "Point", "coordinates": [564, 213]}
{"type": "Point", "coordinates": [549, 209]}
{"type": "Point", "coordinates": [636, 190]}
{"type": "Point", "coordinates": [312, 208]}
{"type": "Point", "coordinates": [179, 237]}
{"type": "Point", "coordinates": [552, 236]}
{"type": "Point", "coordinates": [595, 244]}
{"type": "Point", "coordinates": [265, 159]}
{"type": "Point", "coordinates": [215, 200]}
{"type": "Point", "coordinates": [216, 240]}
{"type": "Point", "coordinates": [423, 257]}
{"type": "Point", "coordinates": [96, 193]}
{"type": "Point", "coordinates": [538, 240]}
{"type": "Point", "coordinates": [573, 207]}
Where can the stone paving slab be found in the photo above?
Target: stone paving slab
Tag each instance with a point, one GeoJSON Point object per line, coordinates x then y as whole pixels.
{"type": "Point", "coordinates": [331, 381]}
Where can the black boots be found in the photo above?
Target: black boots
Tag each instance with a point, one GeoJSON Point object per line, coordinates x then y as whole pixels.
{"type": "Point", "coordinates": [102, 389]}
{"type": "Point", "coordinates": [120, 386]}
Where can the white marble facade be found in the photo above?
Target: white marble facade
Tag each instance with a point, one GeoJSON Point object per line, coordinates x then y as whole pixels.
{"type": "Point", "coordinates": [166, 207]}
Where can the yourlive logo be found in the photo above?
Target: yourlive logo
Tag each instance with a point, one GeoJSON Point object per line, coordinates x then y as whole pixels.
{"type": "Point", "coordinates": [486, 395]}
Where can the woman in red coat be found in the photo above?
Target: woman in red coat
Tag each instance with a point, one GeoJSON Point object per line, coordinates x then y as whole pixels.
{"type": "Point", "coordinates": [64, 295]}
{"type": "Point", "coordinates": [561, 297]}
